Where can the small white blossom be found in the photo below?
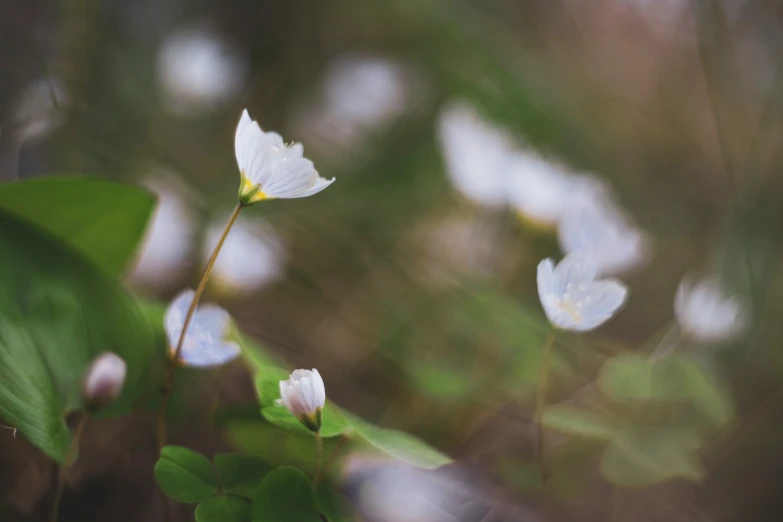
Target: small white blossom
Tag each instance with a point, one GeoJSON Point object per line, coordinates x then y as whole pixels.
{"type": "Point", "coordinates": [367, 91]}
{"type": "Point", "coordinates": [304, 395]}
{"type": "Point", "coordinates": [605, 235]}
{"type": "Point", "coordinates": [251, 257]}
{"type": "Point", "coordinates": [167, 248]}
{"type": "Point", "coordinates": [205, 343]}
{"type": "Point", "coordinates": [476, 154]}
{"type": "Point", "coordinates": [271, 169]}
{"type": "Point", "coordinates": [543, 190]}
{"type": "Point", "coordinates": [39, 107]}
{"type": "Point", "coordinates": [705, 313]}
{"type": "Point", "coordinates": [572, 297]}
{"type": "Point", "coordinates": [198, 70]}
{"type": "Point", "coordinates": [104, 380]}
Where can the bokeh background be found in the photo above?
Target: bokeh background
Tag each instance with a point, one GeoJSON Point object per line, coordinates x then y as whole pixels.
{"type": "Point", "coordinates": [411, 284]}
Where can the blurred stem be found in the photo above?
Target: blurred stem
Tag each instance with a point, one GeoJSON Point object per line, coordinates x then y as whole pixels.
{"type": "Point", "coordinates": [335, 453]}
{"type": "Point", "coordinates": [667, 345]}
{"type": "Point", "coordinates": [543, 378]}
{"type": "Point", "coordinates": [66, 466]}
{"type": "Point", "coordinates": [319, 448]}
{"type": "Point", "coordinates": [171, 368]}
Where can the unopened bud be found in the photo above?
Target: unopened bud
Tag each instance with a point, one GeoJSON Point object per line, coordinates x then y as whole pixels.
{"type": "Point", "coordinates": [104, 380]}
{"type": "Point", "coordinates": [304, 395]}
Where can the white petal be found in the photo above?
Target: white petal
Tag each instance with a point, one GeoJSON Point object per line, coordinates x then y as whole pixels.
{"type": "Point", "coordinates": [213, 354]}
{"type": "Point", "coordinates": [174, 319]}
{"type": "Point", "coordinates": [545, 277]}
{"type": "Point", "coordinates": [212, 319]}
{"type": "Point", "coordinates": [606, 298]}
{"type": "Point", "coordinates": [320, 389]}
{"type": "Point", "coordinates": [575, 269]}
{"type": "Point", "coordinates": [320, 184]}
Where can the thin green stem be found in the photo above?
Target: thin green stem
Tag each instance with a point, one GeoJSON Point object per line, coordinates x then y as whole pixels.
{"type": "Point", "coordinates": [66, 466]}
{"type": "Point", "coordinates": [171, 368]}
{"type": "Point", "coordinates": [543, 378]}
{"type": "Point", "coordinates": [319, 448]}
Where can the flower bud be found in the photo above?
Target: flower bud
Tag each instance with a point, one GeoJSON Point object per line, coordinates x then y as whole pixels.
{"type": "Point", "coordinates": [304, 395]}
{"type": "Point", "coordinates": [104, 380]}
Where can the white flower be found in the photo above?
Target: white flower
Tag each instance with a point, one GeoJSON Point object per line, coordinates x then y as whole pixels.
{"type": "Point", "coordinates": [251, 257]}
{"type": "Point", "coordinates": [205, 343]}
{"type": "Point", "coordinates": [705, 313]}
{"type": "Point", "coordinates": [198, 70]}
{"type": "Point", "coordinates": [168, 243]}
{"type": "Point", "coordinates": [304, 395]}
{"type": "Point", "coordinates": [605, 235]}
{"type": "Point", "coordinates": [571, 296]}
{"type": "Point", "coordinates": [38, 108]}
{"type": "Point", "coordinates": [476, 154]}
{"type": "Point", "coordinates": [104, 380]}
{"type": "Point", "coordinates": [542, 190]}
{"type": "Point", "coordinates": [271, 169]}
{"type": "Point", "coordinates": [366, 91]}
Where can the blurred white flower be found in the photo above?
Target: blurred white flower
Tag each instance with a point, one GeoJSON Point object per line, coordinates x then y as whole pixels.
{"type": "Point", "coordinates": [542, 190]}
{"type": "Point", "coordinates": [367, 91]}
{"type": "Point", "coordinates": [198, 70]}
{"type": "Point", "coordinates": [251, 257]}
{"type": "Point", "coordinates": [271, 169]}
{"type": "Point", "coordinates": [37, 109]}
{"type": "Point", "coordinates": [360, 94]}
{"type": "Point", "coordinates": [396, 492]}
{"type": "Point", "coordinates": [476, 154]}
{"type": "Point", "coordinates": [304, 395]}
{"type": "Point", "coordinates": [603, 233]}
{"type": "Point", "coordinates": [572, 297]}
{"type": "Point", "coordinates": [169, 240]}
{"type": "Point", "coordinates": [104, 380]}
{"type": "Point", "coordinates": [705, 313]}
{"type": "Point", "coordinates": [205, 341]}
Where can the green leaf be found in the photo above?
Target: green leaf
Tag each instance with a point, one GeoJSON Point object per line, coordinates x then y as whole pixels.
{"type": "Point", "coordinates": [398, 444]}
{"type": "Point", "coordinates": [285, 495]}
{"type": "Point", "coordinates": [641, 457]}
{"type": "Point", "coordinates": [634, 378]}
{"type": "Point", "coordinates": [57, 312]}
{"type": "Point", "coordinates": [332, 423]}
{"type": "Point", "coordinates": [240, 474]}
{"type": "Point", "coordinates": [104, 220]}
{"type": "Point", "coordinates": [222, 508]}
{"type": "Point", "coordinates": [579, 422]}
{"type": "Point", "coordinates": [333, 504]}
{"type": "Point", "coordinates": [184, 475]}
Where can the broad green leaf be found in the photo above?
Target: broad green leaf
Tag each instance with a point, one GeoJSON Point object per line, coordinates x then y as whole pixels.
{"type": "Point", "coordinates": [641, 457]}
{"type": "Point", "coordinates": [223, 508]}
{"type": "Point", "coordinates": [285, 495]}
{"type": "Point", "coordinates": [334, 506]}
{"type": "Point", "coordinates": [579, 422]}
{"type": "Point", "coordinates": [104, 220]}
{"type": "Point", "coordinates": [240, 474]}
{"type": "Point", "coordinates": [332, 425]}
{"type": "Point", "coordinates": [398, 444]}
{"type": "Point", "coordinates": [634, 378]}
{"type": "Point", "coordinates": [184, 475]}
{"type": "Point", "coordinates": [57, 312]}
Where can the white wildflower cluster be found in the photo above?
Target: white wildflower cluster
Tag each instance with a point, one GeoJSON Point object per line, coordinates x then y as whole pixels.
{"type": "Point", "coordinates": [489, 167]}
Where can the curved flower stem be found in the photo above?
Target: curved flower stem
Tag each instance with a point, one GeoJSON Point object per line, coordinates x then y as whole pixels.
{"type": "Point", "coordinates": [172, 364]}
{"type": "Point", "coordinates": [318, 455]}
{"type": "Point", "coordinates": [66, 466]}
{"type": "Point", "coordinates": [543, 378]}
